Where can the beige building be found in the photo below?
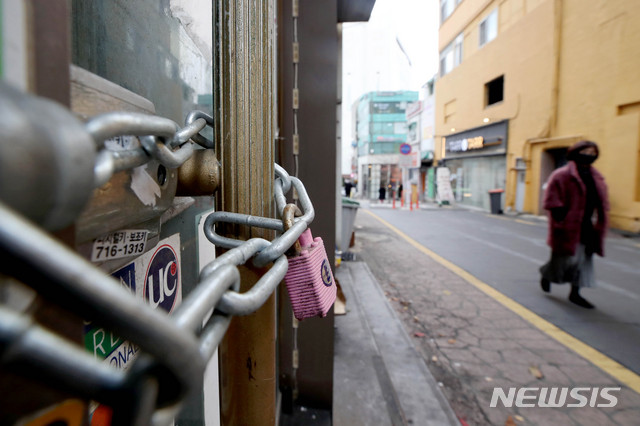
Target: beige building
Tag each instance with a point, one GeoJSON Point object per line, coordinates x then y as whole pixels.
{"type": "Point", "coordinates": [522, 80]}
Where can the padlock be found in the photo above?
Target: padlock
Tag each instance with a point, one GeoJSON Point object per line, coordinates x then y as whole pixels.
{"type": "Point", "coordinates": [309, 280]}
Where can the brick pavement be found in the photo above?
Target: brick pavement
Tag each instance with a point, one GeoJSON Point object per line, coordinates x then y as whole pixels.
{"type": "Point", "coordinates": [473, 344]}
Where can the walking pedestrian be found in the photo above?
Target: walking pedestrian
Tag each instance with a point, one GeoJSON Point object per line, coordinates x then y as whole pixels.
{"type": "Point", "coordinates": [382, 193]}
{"type": "Point", "coordinates": [577, 201]}
{"type": "Point", "coordinates": [347, 188]}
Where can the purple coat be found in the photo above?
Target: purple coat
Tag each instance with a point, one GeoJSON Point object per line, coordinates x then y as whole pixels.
{"type": "Point", "coordinates": [566, 189]}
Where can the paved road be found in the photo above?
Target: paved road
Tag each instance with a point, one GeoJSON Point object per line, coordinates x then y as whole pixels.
{"type": "Point", "coordinates": [506, 252]}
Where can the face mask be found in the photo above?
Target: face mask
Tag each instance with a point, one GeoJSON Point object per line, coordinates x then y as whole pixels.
{"type": "Point", "coordinates": [585, 159]}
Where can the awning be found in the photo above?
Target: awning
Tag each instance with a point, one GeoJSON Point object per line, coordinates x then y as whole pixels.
{"type": "Point", "coordinates": [427, 156]}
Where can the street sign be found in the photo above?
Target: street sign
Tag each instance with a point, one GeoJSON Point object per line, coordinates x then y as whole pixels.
{"type": "Point", "coordinates": [405, 149]}
{"type": "Point", "coordinates": [411, 160]}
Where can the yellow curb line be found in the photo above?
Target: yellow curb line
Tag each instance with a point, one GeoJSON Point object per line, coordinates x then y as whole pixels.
{"type": "Point", "coordinates": [600, 360]}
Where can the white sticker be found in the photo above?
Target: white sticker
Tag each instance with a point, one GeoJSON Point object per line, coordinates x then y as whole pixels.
{"type": "Point", "coordinates": [144, 186]}
{"type": "Point", "coordinates": [125, 243]}
{"type": "Point", "coordinates": [121, 143]}
{"type": "Point", "coordinates": [155, 278]}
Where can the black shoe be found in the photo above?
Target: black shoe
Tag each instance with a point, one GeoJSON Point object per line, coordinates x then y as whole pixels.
{"type": "Point", "coordinates": [545, 284]}
{"type": "Point", "coordinates": [580, 301]}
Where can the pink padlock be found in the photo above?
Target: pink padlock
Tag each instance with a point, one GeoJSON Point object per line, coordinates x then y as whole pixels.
{"type": "Point", "coordinates": [309, 280]}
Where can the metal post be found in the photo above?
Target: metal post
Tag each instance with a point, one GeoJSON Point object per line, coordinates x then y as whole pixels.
{"type": "Point", "coordinates": [306, 355]}
{"type": "Point", "coordinates": [244, 107]}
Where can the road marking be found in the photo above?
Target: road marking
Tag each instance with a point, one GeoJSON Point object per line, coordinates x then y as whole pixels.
{"type": "Point", "coordinates": [600, 360]}
{"type": "Point", "coordinates": [603, 284]}
{"type": "Point", "coordinates": [525, 222]}
{"type": "Point", "coordinates": [493, 216]}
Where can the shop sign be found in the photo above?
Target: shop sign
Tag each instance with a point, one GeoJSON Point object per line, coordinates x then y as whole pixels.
{"type": "Point", "coordinates": [465, 144]}
{"type": "Point", "coordinates": [443, 183]}
{"type": "Point", "coordinates": [387, 138]}
{"type": "Point", "coordinates": [388, 107]}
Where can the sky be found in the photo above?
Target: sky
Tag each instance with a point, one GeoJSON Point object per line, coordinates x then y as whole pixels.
{"type": "Point", "coordinates": [396, 50]}
{"type": "Point", "coordinates": [415, 23]}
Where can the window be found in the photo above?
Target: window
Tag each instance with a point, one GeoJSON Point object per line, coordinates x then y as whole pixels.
{"type": "Point", "coordinates": [494, 91]}
{"type": "Point", "coordinates": [412, 132]}
{"type": "Point", "coordinates": [457, 50]}
{"type": "Point", "coordinates": [447, 7]}
{"type": "Point", "coordinates": [489, 28]}
{"type": "Point", "coordinates": [446, 61]}
{"type": "Point", "coordinates": [400, 128]}
{"type": "Point", "coordinates": [451, 56]}
{"type": "Point", "coordinates": [171, 68]}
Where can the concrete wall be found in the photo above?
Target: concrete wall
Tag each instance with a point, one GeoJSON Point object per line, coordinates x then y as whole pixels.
{"type": "Point", "coordinates": [600, 94]}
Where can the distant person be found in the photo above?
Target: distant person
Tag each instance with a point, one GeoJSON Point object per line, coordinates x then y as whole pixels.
{"type": "Point", "coordinates": [347, 188]}
{"type": "Point", "coordinates": [578, 204]}
{"type": "Point", "coordinates": [382, 194]}
{"type": "Point", "coordinates": [400, 192]}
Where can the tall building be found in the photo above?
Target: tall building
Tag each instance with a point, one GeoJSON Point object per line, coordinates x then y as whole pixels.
{"type": "Point", "coordinates": [371, 60]}
{"type": "Point", "coordinates": [521, 81]}
{"type": "Point", "coordinates": [380, 130]}
{"type": "Point", "coordinates": [426, 123]}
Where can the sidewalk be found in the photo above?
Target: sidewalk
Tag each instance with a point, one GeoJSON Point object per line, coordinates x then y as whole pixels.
{"type": "Point", "coordinates": [470, 343]}
{"type": "Point", "coordinates": [379, 377]}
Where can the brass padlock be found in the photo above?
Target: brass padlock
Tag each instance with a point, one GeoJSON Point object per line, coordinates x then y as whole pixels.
{"type": "Point", "coordinates": [199, 175]}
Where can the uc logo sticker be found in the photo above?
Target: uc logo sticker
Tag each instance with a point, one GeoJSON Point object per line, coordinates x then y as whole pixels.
{"type": "Point", "coordinates": [326, 273]}
{"type": "Point", "coordinates": [161, 279]}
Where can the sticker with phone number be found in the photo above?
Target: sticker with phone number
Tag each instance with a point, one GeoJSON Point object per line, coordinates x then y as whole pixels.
{"type": "Point", "coordinates": [125, 243]}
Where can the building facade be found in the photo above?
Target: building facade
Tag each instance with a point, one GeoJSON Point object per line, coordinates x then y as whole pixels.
{"type": "Point", "coordinates": [381, 129]}
{"type": "Point", "coordinates": [427, 141]}
{"type": "Point", "coordinates": [539, 75]}
{"type": "Point", "coordinates": [411, 161]}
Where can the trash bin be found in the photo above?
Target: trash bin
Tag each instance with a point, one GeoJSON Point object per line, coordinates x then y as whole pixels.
{"type": "Point", "coordinates": [496, 200]}
{"type": "Point", "coordinates": [349, 210]}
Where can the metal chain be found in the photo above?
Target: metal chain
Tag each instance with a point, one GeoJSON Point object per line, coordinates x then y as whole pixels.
{"type": "Point", "coordinates": [158, 136]}
{"type": "Point", "coordinates": [280, 244]}
{"type": "Point", "coordinates": [175, 349]}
